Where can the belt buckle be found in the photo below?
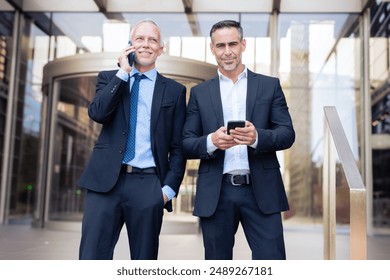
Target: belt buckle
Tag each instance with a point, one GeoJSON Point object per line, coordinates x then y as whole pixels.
{"type": "Point", "coordinates": [232, 180]}
{"type": "Point", "coordinates": [129, 169]}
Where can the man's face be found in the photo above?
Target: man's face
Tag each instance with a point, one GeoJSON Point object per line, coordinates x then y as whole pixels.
{"type": "Point", "coordinates": [147, 42]}
{"type": "Point", "coordinates": [227, 48]}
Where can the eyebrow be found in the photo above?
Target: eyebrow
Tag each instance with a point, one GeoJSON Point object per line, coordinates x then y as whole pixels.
{"type": "Point", "coordinates": [141, 36]}
{"type": "Point", "coordinates": [222, 44]}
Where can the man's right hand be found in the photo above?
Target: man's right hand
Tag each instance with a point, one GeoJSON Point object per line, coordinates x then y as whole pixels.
{"type": "Point", "coordinates": [123, 62]}
{"type": "Point", "coordinates": [222, 140]}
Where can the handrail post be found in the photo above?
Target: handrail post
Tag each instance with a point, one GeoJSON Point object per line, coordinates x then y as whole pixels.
{"type": "Point", "coordinates": [358, 239]}
{"type": "Point", "coordinates": [329, 197]}
{"type": "Point", "coordinates": [336, 140]}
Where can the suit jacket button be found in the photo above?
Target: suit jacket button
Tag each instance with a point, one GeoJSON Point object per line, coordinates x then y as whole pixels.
{"type": "Point", "coordinates": [120, 151]}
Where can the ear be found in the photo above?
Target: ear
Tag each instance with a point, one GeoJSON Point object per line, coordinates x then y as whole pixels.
{"type": "Point", "coordinates": [243, 44]}
{"type": "Point", "coordinates": [212, 48]}
{"type": "Point", "coordinates": [160, 51]}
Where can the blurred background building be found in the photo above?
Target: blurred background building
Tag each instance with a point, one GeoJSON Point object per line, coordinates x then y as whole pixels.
{"type": "Point", "coordinates": [326, 53]}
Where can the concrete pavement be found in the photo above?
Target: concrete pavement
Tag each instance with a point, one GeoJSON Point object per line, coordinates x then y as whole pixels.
{"type": "Point", "coordinates": [179, 240]}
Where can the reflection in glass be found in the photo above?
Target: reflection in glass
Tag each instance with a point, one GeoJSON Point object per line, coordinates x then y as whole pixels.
{"type": "Point", "coordinates": [319, 66]}
{"type": "Point", "coordinates": [5, 61]}
{"type": "Point", "coordinates": [75, 135]}
{"type": "Point", "coordinates": [24, 182]}
{"type": "Point", "coordinates": [380, 112]}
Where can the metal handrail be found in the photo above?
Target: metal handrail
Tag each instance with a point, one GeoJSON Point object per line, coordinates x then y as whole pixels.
{"type": "Point", "coordinates": [357, 190]}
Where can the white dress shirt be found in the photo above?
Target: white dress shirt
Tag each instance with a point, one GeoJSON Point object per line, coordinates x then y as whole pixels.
{"type": "Point", "coordinates": [233, 96]}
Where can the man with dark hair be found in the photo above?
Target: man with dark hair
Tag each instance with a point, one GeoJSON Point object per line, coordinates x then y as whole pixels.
{"type": "Point", "coordinates": [137, 164]}
{"type": "Point", "coordinates": [239, 178]}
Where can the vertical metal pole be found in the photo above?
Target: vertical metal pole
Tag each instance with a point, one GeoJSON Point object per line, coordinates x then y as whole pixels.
{"type": "Point", "coordinates": [367, 152]}
{"type": "Point", "coordinates": [50, 140]}
{"type": "Point", "coordinates": [329, 197]}
{"type": "Point", "coordinates": [274, 29]}
{"type": "Point", "coordinates": [358, 234]}
{"type": "Point", "coordinates": [9, 125]}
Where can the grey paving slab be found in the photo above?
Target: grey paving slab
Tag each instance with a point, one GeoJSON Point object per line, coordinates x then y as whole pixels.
{"type": "Point", "coordinates": [303, 242]}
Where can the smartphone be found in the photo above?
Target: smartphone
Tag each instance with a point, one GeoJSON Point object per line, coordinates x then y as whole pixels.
{"type": "Point", "coordinates": [131, 56]}
{"type": "Point", "coordinates": [234, 124]}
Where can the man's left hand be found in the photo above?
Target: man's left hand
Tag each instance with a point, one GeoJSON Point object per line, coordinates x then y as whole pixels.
{"type": "Point", "coordinates": [245, 135]}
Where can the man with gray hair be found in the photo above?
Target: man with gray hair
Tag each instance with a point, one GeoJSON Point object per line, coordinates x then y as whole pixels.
{"type": "Point", "coordinates": [137, 164]}
{"type": "Point", "coordinates": [235, 123]}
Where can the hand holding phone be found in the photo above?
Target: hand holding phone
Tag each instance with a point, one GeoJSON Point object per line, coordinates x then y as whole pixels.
{"type": "Point", "coordinates": [131, 56]}
{"type": "Point", "coordinates": [234, 124]}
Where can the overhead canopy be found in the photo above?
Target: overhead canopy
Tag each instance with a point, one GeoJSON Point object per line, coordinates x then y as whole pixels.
{"type": "Point", "coordinates": [188, 6]}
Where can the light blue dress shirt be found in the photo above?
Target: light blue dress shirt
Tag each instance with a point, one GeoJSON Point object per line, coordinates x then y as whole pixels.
{"type": "Point", "coordinates": [143, 151]}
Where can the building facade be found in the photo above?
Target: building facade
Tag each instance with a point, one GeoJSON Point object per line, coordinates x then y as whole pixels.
{"type": "Point", "coordinates": [325, 53]}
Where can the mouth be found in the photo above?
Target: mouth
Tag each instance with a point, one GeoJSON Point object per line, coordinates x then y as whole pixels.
{"type": "Point", "coordinates": [145, 52]}
{"type": "Point", "coordinates": [228, 61]}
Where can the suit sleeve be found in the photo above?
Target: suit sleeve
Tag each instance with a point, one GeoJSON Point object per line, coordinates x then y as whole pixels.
{"type": "Point", "coordinates": [279, 134]}
{"type": "Point", "coordinates": [177, 161]}
{"type": "Point", "coordinates": [109, 91]}
{"type": "Point", "coordinates": [194, 140]}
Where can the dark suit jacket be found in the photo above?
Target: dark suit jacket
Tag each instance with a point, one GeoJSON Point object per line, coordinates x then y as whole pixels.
{"type": "Point", "coordinates": [266, 108]}
{"type": "Point", "coordinates": [110, 107]}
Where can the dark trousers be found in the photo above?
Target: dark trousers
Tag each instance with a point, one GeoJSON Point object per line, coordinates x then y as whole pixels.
{"type": "Point", "coordinates": [137, 201]}
{"type": "Point", "coordinates": [264, 233]}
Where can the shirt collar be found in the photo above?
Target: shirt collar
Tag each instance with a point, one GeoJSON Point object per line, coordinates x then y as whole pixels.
{"type": "Point", "coordinates": [243, 74]}
{"type": "Point", "coordinates": [151, 74]}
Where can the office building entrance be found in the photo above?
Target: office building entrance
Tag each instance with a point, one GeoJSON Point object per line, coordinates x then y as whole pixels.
{"type": "Point", "coordinates": [68, 135]}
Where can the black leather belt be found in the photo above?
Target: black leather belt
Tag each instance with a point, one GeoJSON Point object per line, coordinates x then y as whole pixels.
{"type": "Point", "coordinates": [131, 169]}
{"type": "Point", "coordinates": [237, 180]}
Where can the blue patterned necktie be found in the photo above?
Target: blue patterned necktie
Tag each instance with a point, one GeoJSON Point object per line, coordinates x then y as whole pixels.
{"type": "Point", "coordinates": [130, 146]}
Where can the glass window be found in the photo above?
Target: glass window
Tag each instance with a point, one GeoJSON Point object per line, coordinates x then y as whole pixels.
{"type": "Point", "coordinates": [379, 45]}
{"type": "Point", "coordinates": [5, 58]}
{"type": "Point", "coordinates": [183, 36]}
{"type": "Point", "coordinates": [33, 56]}
{"type": "Point", "coordinates": [75, 135]}
{"type": "Point", "coordinates": [319, 66]}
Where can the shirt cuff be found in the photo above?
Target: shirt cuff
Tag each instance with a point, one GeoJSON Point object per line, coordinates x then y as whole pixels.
{"type": "Point", "coordinates": [167, 190]}
{"type": "Point", "coordinates": [123, 75]}
{"type": "Point", "coordinates": [211, 148]}
{"type": "Point", "coordinates": [254, 145]}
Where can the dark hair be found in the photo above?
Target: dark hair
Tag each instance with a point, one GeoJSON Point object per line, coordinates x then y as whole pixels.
{"type": "Point", "coordinates": [227, 24]}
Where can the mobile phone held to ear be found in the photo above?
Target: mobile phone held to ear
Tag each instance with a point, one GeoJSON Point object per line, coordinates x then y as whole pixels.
{"type": "Point", "coordinates": [234, 124]}
{"type": "Point", "coordinates": [131, 56]}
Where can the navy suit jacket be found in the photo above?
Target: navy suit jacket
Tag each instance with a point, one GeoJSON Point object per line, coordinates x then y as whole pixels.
{"type": "Point", "coordinates": [266, 108]}
{"type": "Point", "coordinates": [110, 107]}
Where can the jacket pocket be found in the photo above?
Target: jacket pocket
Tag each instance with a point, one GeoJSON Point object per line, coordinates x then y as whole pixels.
{"type": "Point", "coordinates": [270, 162]}
{"type": "Point", "coordinates": [100, 146]}
{"type": "Point", "coordinates": [167, 104]}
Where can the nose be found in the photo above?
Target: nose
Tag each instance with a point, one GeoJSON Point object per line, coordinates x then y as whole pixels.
{"type": "Point", "coordinates": [144, 43]}
{"type": "Point", "coordinates": [228, 50]}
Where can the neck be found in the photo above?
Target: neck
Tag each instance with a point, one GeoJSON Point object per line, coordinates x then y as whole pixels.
{"type": "Point", "coordinates": [233, 74]}
{"type": "Point", "coordinates": [142, 69]}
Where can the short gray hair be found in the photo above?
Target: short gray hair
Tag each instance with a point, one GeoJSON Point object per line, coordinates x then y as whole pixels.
{"type": "Point", "coordinates": [148, 20]}
{"type": "Point", "coordinates": [227, 24]}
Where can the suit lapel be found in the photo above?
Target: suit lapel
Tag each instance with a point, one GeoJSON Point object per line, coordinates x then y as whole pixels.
{"type": "Point", "coordinates": [252, 89]}
{"type": "Point", "coordinates": [216, 101]}
{"type": "Point", "coordinates": [158, 94]}
{"type": "Point", "coordinates": [126, 102]}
